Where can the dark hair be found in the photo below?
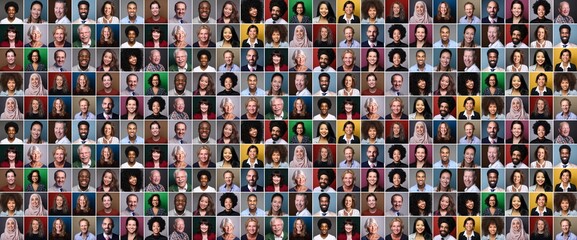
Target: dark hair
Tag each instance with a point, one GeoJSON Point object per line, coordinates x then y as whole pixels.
{"type": "Point", "coordinates": [489, 197]}
{"type": "Point", "coordinates": [399, 27]}
{"type": "Point", "coordinates": [30, 176]}
{"type": "Point", "coordinates": [330, 173]}
{"type": "Point", "coordinates": [278, 3]}
{"type": "Point", "coordinates": [376, 4]}
{"type": "Point", "coordinates": [462, 206]}
{"type": "Point", "coordinates": [399, 51]}
{"type": "Point", "coordinates": [329, 52]}
{"type": "Point", "coordinates": [547, 65]}
{"type": "Point", "coordinates": [151, 197]}
{"type": "Point", "coordinates": [543, 3]}
{"type": "Point", "coordinates": [234, 162]}
{"type": "Point", "coordinates": [159, 220]}
{"type": "Point", "coordinates": [232, 198]}
{"type": "Point", "coordinates": [427, 113]}
{"type": "Point", "coordinates": [415, 198]}
{"type": "Point", "coordinates": [548, 185]}
{"type": "Point", "coordinates": [463, 78]}
{"type": "Point", "coordinates": [399, 171]}
{"type": "Point", "coordinates": [234, 41]}
{"type": "Point", "coordinates": [11, 4]}
{"type": "Point", "coordinates": [230, 75]}
{"type": "Point", "coordinates": [11, 124]}
{"type": "Point", "coordinates": [125, 54]}
{"type": "Point", "coordinates": [126, 174]}
{"type": "Point", "coordinates": [427, 233]}
{"type": "Point", "coordinates": [449, 100]}
{"type": "Point", "coordinates": [331, 18]}
{"type": "Point", "coordinates": [324, 100]}
{"type": "Point", "coordinates": [401, 149]}
{"type": "Point", "coordinates": [160, 101]}
{"type": "Point", "coordinates": [415, 78]}
{"type": "Point", "coordinates": [206, 173]}
{"type": "Point", "coordinates": [246, 5]}
{"type": "Point", "coordinates": [487, 101]}
{"type": "Point", "coordinates": [34, 51]}
{"type": "Point", "coordinates": [246, 126]}
{"type": "Point", "coordinates": [523, 209]}
{"type": "Point", "coordinates": [497, 221]}
{"type": "Point", "coordinates": [331, 136]}
{"type": "Point", "coordinates": [518, 27]}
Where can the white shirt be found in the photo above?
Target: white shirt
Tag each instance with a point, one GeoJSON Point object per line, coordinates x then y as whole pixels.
{"type": "Point", "coordinates": [520, 165]}
{"type": "Point", "coordinates": [472, 188]}
{"type": "Point", "coordinates": [136, 165]}
{"type": "Point", "coordinates": [329, 237]}
{"type": "Point", "coordinates": [520, 45]}
{"type": "Point", "coordinates": [208, 189]}
{"type": "Point", "coordinates": [472, 68]}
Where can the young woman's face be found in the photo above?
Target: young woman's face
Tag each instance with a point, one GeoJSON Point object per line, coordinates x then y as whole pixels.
{"type": "Point", "coordinates": [396, 180]}
{"type": "Point", "coordinates": [420, 34]}
{"type": "Point", "coordinates": [469, 155]}
{"type": "Point", "coordinates": [492, 201]}
{"type": "Point", "coordinates": [445, 203]}
{"type": "Point", "coordinates": [540, 178]}
{"type": "Point", "coordinates": [516, 203]}
{"type": "Point", "coordinates": [516, 130]}
{"type": "Point", "coordinates": [540, 58]}
{"type": "Point", "coordinates": [11, 85]}
{"type": "Point", "coordinates": [323, 10]}
{"type": "Point", "coordinates": [445, 59]}
{"type": "Point", "coordinates": [372, 58]}
{"type": "Point", "coordinates": [372, 178]}
{"type": "Point", "coordinates": [372, 132]}
{"type": "Point", "coordinates": [107, 179]}
{"type": "Point", "coordinates": [445, 180]}
{"type": "Point", "coordinates": [227, 10]}
{"type": "Point", "coordinates": [420, 154]}
{"type": "Point", "coordinates": [516, 10]}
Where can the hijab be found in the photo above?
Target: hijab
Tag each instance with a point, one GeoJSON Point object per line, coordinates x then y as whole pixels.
{"type": "Point", "coordinates": [14, 235]}
{"type": "Point", "coordinates": [300, 42]}
{"type": "Point", "coordinates": [517, 114]}
{"type": "Point", "coordinates": [517, 235]}
{"type": "Point", "coordinates": [420, 138]}
{"type": "Point", "coordinates": [35, 211]}
{"type": "Point", "coordinates": [301, 162]}
{"type": "Point", "coordinates": [423, 18]}
{"type": "Point", "coordinates": [36, 91]}
{"type": "Point", "coordinates": [14, 114]}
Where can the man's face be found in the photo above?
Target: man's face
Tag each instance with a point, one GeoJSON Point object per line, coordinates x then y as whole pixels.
{"type": "Point", "coordinates": [107, 105]}
{"type": "Point", "coordinates": [251, 177]}
{"type": "Point", "coordinates": [372, 153]}
{"type": "Point", "coordinates": [300, 203]}
{"type": "Point", "coordinates": [180, 82]}
{"type": "Point", "coordinates": [155, 177]}
{"type": "Point", "coordinates": [10, 178]}
{"type": "Point", "coordinates": [372, 33]}
{"type": "Point", "coordinates": [83, 179]}
{"type": "Point", "coordinates": [444, 109]}
{"type": "Point", "coordinates": [492, 154]}
{"type": "Point", "coordinates": [421, 178]}
{"type": "Point", "coordinates": [132, 82]}
{"type": "Point", "coordinates": [107, 225]}
{"type": "Point", "coordinates": [60, 58]}
{"type": "Point", "coordinates": [468, 58]}
{"type": "Point", "coordinates": [421, 58]}
{"type": "Point", "coordinates": [324, 181]}
{"type": "Point", "coordinates": [565, 155]}
{"type": "Point", "coordinates": [181, 179]}
{"type": "Point", "coordinates": [324, 83]}
{"type": "Point", "coordinates": [516, 157]}
{"type": "Point", "coordinates": [252, 202]}
{"type": "Point", "coordinates": [84, 34]}
{"type": "Point", "coordinates": [83, 11]}
{"type": "Point", "coordinates": [180, 10]}
{"type": "Point", "coordinates": [492, 9]}
{"type": "Point", "coordinates": [251, 57]}
{"type": "Point", "coordinates": [324, 203]}
{"type": "Point", "coordinates": [83, 58]}
{"type": "Point", "coordinates": [324, 229]}
{"type": "Point", "coordinates": [277, 227]}
{"type": "Point", "coordinates": [492, 129]}
{"type": "Point", "coordinates": [59, 10]}
{"type": "Point", "coordinates": [85, 154]}
{"type": "Point", "coordinates": [277, 107]}
{"type": "Point", "coordinates": [131, 130]}
{"type": "Point", "coordinates": [349, 34]}
{"type": "Point", "coordinates": [83, 131]}
{"type": "Point", "coordinates": [445, 154]}
{"type": "Point", "coordinates": [180, 130]}
{"type": "Point", "coordinates": [493, 34]}
{"type": "Point", "coordinates": [397, 82]}
{"type": "Point", "coordinates": [397, 203]}
{"type": "Point", "coordinates": [275, 133]}
{"type": "Point", "coordinates": [492, 179]}
{"type": "Point", "coordinates": [132, 203]}
{"type": "Point", "coordinates": [60, 179]}
{"type": "Point", "coordinates": [132, 8]}
{"type": "Point", "coordinates": [180, 203]}
{"type": "Point", "coordinates": [323, 60]}
{"type": "Point", "coordinates": [131, 35]}
{"type": "Point", "coordinates": [131, 156]}
{"type": "Point", "coordinates": [275, 13]}
{"type": "Point", "coordinates": [564, 129]}
{"type": "Point", "coordinates": [204, 130]}
{"type": "Point", "coordinates": [469, 178]}
{"type": "Point", "coordinates": [59, 130]}
{"type": "Point", "coordinates": [180, 58]}
{"type": "Point", "coordinates": [204, 10]}
{"type": "Point", "coordinates": [565, 35]}
{"type": "Point", "coordinates": [564, 9]}
{"type": "Point", "coordinates": [445, 34]}
{"type": "Point", "coordinates": [516, 37]}
{"type": "Point", "coordinates": [444, 229]}
{"type": "Point", "coordinates": [492, 58]}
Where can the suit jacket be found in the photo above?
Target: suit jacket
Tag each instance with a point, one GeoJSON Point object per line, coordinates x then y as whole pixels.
{"type": "Point", "coordinates": [549, 212]}
{"type": "Point", "coordinates": [259, 43]}
{"type": "Point", "coordinates": [246, 165]}
{"type": "Point", "coordinates": [366, 44]}
{"type": "Point", "coordinates": [559, 189]}
{"type": "Point", "coordinates": [101, 116]}
{"type": "Point", "coordinates": [463, 117]}
{"type": "Point", "coordinates": [174, 188]}
{"type": "Point", "coordinates": [101, 236]}
{"type": "Point", "coordinates": [78, 164]}
{"type": "Point", "coordinates": [245, 68]}
{"type": "Point", "coordinates": [356, 19]}
{"type": "Point", "coordinates": [462, 236]}
{"type": "Point", "coordinates": [486, 140]}
{"type": "Point", "coordinates": [245, 189]}
{"type": "Point", "coordinates": [365, 164]}
{"type": "Point", "coordinates": [270, 116]}
{"type": "Point", "coordinates": [78, 43]}
{"type": "Point", "coordinates": [571, 68]}
{"type": "Point", "coordinates": [549, 92]}
{"type": "Point", "coordinates": [175, 68]}
{"type": "Point", "coordinates": [355, 140]}
{"type": "Point", "coordinates": [270, 236]}
{"type": "Point", "coordinates": [499, 20]}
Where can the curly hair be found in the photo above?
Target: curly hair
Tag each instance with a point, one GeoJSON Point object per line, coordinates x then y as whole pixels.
{"type": "Point", "coordinates": [463, 79]}
{"type": "Point", "coordinates": [246, 5]}
{"type": "Point", "coordinates": [497, 101]}
{"type": "Point", "coordinates": [569, 77]}
{"type": "Point", "coordinates": [398, 171]}
{"type": "Point", "coordinates": [402, 54]}
{"type": "Point", "coordinates": [279, 28]}
{"type": "Point", "coordinates": [415, 198]}
{"type": "Point", "coordinates": [468, 197]}
{"type": "Point", "coordinates": [376, 4]}
{"type": "Point", "coordinates": [565, 197]}
{"type": "Point", "coordinates": [6, 197]}
{"type": "Point", "coordinates": [543, 3]}
{"type": "Point", "coordinates": [16, 77]}
{"type": "Point", "coordinates": [378, 126]}
{"type": "Point", "coordinates": [125, 54]}
{"type": "Point", "coordinates": [230, 196]}
{"type": "Point", "coordinates": [398, 27]}
{"type": "Point", "coordinates": [270, 150]}
{"type": "Point", "coordinates": [414, 80]}
{"type": "Point", "coordinates": [246, 126]}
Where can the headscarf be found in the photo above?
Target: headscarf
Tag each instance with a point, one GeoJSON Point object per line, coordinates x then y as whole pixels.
{"type": "Point", "coordinates": [517, 114]}
{"type": "Point", "coordinates": [14, 235]}
{"type": "Point", "coordinates": [35, 211]}
{"type": "Point", "coordinates": [304, 41]}
{"type": "Point", "coordinates": [36, 91]}
{"type": "Point", "coordinates": [303, 162]}
{"type": "Point", "coordinates": [424, 18]}
{"type": "Point", "coordinates": [517, 235]}
{"type": "Point", "coordinates": [420, 138]}
{"type": "Point", "coordinates": [15, 114]}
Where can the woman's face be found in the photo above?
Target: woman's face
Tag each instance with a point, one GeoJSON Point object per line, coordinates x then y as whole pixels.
{"type": "Point", "coordinates": [323, 10]}
{"type": "Point", "coordinates": [35, 11]}
{"type": "Point", "coordinates": [420, 129]}
{"type": "Point", "coordinates": [108, 130]}
{"type": "Point", "coordinates": [540, 178]}
{"type": "Point", "coordinates": [11, 36]}
{"type": "Point", "coordinates": [108, 9]}
{"type": "Point", "coordinates": [397, 35]}
{"type": "Point", "coordinates": [516, 10]}
{"type": "Point", "coordinates": [516, 203]}
{"type": "Point", "coordinates": [324, 153]}
{"type": "Point", "coordinates": [372, 132]}
{"type": "Point", "coordinates": [470, 204]}
{"type": "Point", "coordinates": [107, 59]}
{"type": "Point", "coordinates": [299, 32]}
{"type": "Point", "coordinates": [516, 82]}
{"type": "Point", "coordinates": [397, 156]}
{"type": "Point", "coordinates": [323, 130]}
{"type": "Point", "coordinates": [35, 131]}
{"type": "Point", "coordinates": [421, 204]}
{"type": "Point", "coordinates": [106, 33]}
{"type": "Point", "coordinates": [227, 132]}
{"type": "Point", "coordinates": [107, 179]}
{"type": "Point", "coordinates": [517, 178]}
{"type": "Point", "coordinates": [276, 180]}
{"type": "Point", "coordinates": [396, 59]}
{"type": "Point", "coordinates": [11, 85]}
{"type": "Point", "coordinates": [516, 225]}
{"type": "Point", "coordinates": [564, 205]}
{"type": "Point", "coordinates": [492, 201]}
{"type": "Point", "coordinates": [469, 155]}
{"type": "Point", "coordinates": [445, 203]}
{"type": "Point", "coordinates": [540, 58]}
{"type": "Point", "coordinates": [299, 153]}
{"type": "Point", "coordinates": [420, 34]}
{"type": "Point", "coordinates": [420, 154]}
{"type": "Point", "coordinates": [372, 178]}
{"type": "Point", "coordinates": [276, 83]}
{"type": "Point", "coordinates": [541, 132]}
{"type": "Point", "coordinates": [396, 130]}
{"type": "Point", "coordinates": [420, 9]}
{"type": "Point", "coordinates": [276, 60]}
{"type": "Point", "coordinates": [396, 180]}
{"type": "Point", "coordinates": [443, 129]}
{"type": "Point", "coordinates": [131, 226]}
{"type": "Point", "coordinates": [324, 33]}
{"type": "Point", "coordinates": [227, 10]}
{"type": "Point", "coordinates": [34, 58]}
{"type": "Point", "coordinates": [565, 177]}
{"type": "Point", "coordinates": [132, 180]}
{"type": "Point", "coordinates": [276, 203]}
{"type": "Point", "coordinates": [35, 177]}
{"type": "Point", "coordinates": [299, 105]}
{"type": "Point", "coordinates": [372, 12]}
{"type": "Point", "coordinates": [227, 154]}
{"type": "Point", "coordinates": [253, 132]}
{"type": "Point", "coordinates": [443, 9]}
{"type": "Point", "coordinates": [541, 11]}
{"type": "Point", "coordinates": [516, 130]}
{"type": "Point", "coordinates": [348, 108]}
{"type": "Point", "coordinates": [35, 201]}
{"type": "Point", "coordinates": [420, 226]}
{"type": "Point", "coordinates": [35, 156]}
{"type": "Point", "coordinates": [445, 180]}
{"type": "Point", "coordinates": [228, 108]}
{"type": "Point", "coordinates": [131, 106]}
{"type": "Point", "coordinates": [227, 34]}
{"type": "Point", "coordinates": [180, 156]}
{"type": "Point", "coordinates": [445, 59]}
{"type": "Point", "coordinates": [373, 228]}
{"type": "Point", "coordinates": [373, 108]}
{"type": "Point", "coordinates": [35, 105]}
{"type": "Point", "coordinates": [420, 106]}
{"type": "Point", "coordinates": [372, 58]}
{"type": "Point", "coordinates": [396, 228]}
{"type": "Point", "coordinates": [492, 109]}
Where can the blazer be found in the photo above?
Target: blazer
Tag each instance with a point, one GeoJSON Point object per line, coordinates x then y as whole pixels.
{"type": "Point", "coordinates": [462, 236]}
{"type": "Point", "coordinates": [101, 236]}
{"type": "Point", "coordinates": [259, 43]}
{"type": "Point", "coordinates": [366, 44]}
{"type": "Point", "coordinates": [245, 188]}
{"type": "Point", "coordinates": [245, 68]}
{"type": "Point", "coordinates": [549, 212]}
{"type": "Point", "coordinates": [499, 20]}
{"type": "Point", "coordinates": [571, 67]}
{"type": "Point", "coordinates": [356, 19]}
{"type": "Point", "coordinates": [365, 164]}
{"type": "Point", "coordinates": [559, 189]}
{"type": "Point", "coordinates": [258, 165]}
{"type": "Point", "coordinates": [463, 117]}
{"type": "Point", "coordinates": [548, 91]}
{"type": "Point", "coordinates": [355, 140]}
{"type": "Point", "coordinates": [101, 116]}
{"type": "Point", "coordinates": [486, 140]}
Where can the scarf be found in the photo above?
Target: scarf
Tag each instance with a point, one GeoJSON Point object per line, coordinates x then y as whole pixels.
{"type": "Point", "coordinates": [517, 235]}
{"type": "Point", "coordinates": [14, 235]}
{"type": "Point", "coordinates": [423, 18]}
{"type": "Point", "coordinates": [420, 138]}
{"type": "Point", "coordinates": [35, 211]}
{"type": "Point", "coordinates": [14, 114]}
{"type": "Point", "coordinates": [301, 42]}
{"type": "Point", "coordinates": [517, 114]}
{"type": "Point", "coordinates": [38, 90]}
{"type": "Point", "coordinates": [301, 162]}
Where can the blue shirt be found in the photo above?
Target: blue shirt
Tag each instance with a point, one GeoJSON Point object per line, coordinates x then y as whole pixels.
{"type": "Point", "coordinates": [259, 92]}
{"type": "Point", "coordinates": [138, 20]}
{"type": "Point", "coordinates": [415, 68]}
{"type": "Point", "coordinates": [138, 140]}
{"type": "Point", "coordinates": [560, 116]}
{"type": "Point", "coordinates": [234, 68]}
{"type": "Point", "coordinates": [415, 188]}
{"type": "Point", "coordinates": [559, 236]}
{"type": "Point", "coordinates": [259, 212]}
{"type": "Point", "coordinates": [89, 237]}
{"type": "Point", "coordinates": [451, 44]}
{"type": "Point", "coordinates": [439, 164]}
{"type": "Point", "coordinates": [233, 188]}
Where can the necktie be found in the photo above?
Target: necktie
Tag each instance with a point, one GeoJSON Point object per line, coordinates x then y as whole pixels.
{"type": "Point", "coordinates": [83, 142]}
{"type": "Point", "coordinates": [372, 45]}
{"type": "Point", "coordinates": [83, 21]}
{"type": "Point", "coordinates": [564, 45]}
{"type": "Point", "coordinates": [106, 117]}
{"type": "Point", "coordinates": [515, 45]}
{"type": "Point", "coordinates": [251, 69]}
{"type": "Point", "coordinates": [180, 141]}
{"type": "Point", "coordinates": [60, 189]}
{"type": "Point", "coordinates": [492, 69]}
{"type": "Point", "coordinates": [398, 214]}
{"type": "Point", "coordinates": [398, 94]}
{"type": "Point", "coordinates": [324, 214]}
{"type": "Point", "coordinates": [564, 165]}
{"type": "Point", "coordinates": [62, 69]}
{"type": "Point", "coordinates": [442, 118]}
{"type": "Point", "coordinates": [132, 93]}
{"type": "Point", "coordinates": [492, 190]}
{"type": "Point", "coordinates": [324, 94]}
{"type": "Point", "coordinates": [106, 237]}
{"type": "Point", "coordinates": [132, 213]}
{"type": "Point", "coordinates": [273, 21]}
{"type": "Point", "coordinates": [180, 21]}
